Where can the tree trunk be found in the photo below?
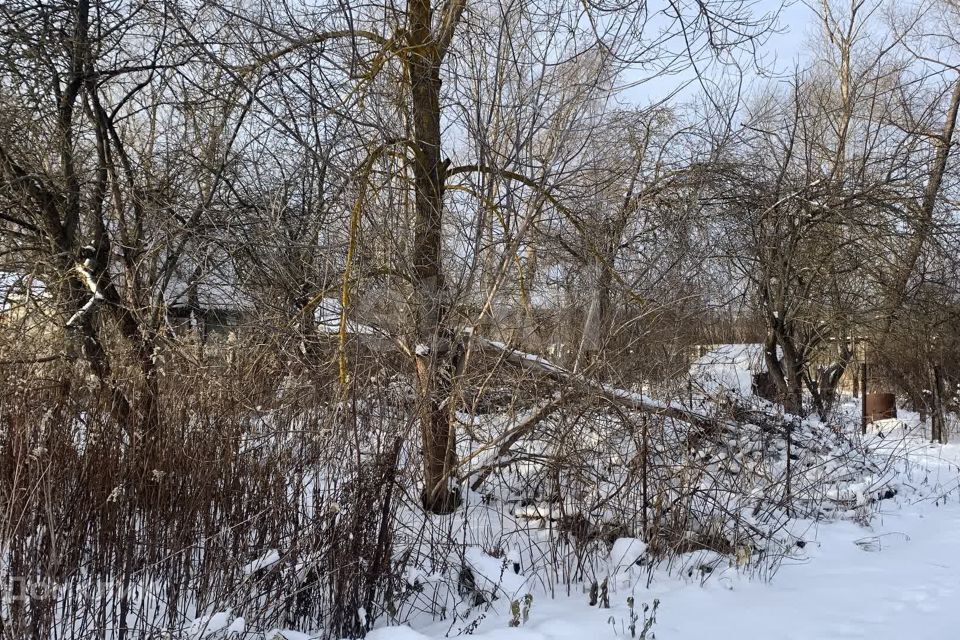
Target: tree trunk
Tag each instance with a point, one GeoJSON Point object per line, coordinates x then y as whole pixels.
{"type": "Point", "coordinates": [785, 373]}
{"type": "Point", "coordinates": [434, 352]}
{"type": "Point", "coordinates": [943, 143]}
{"type": "Point", "coordinates": [594, 336]}
{"type": "Point", "coordinates": [825, 390]}
{"type": "Point", "coordinates": [938, 431]}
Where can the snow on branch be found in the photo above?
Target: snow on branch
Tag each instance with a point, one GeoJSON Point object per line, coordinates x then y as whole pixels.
{"type": "Point", "coordinates": [630, 399]}
{"type": "Point", "coordinates": [83, 270]}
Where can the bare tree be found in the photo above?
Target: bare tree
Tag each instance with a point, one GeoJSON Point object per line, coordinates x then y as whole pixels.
{"type": "Point", "coordinates": [415, 46]}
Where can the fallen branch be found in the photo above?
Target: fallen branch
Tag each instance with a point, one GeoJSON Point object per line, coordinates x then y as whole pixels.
{"type": "Point", "coordinates": [630, 399]}
{"type": "Point", "coordinates": [37, 360]}
{"type": "Point", "coordinates": [506, 441]}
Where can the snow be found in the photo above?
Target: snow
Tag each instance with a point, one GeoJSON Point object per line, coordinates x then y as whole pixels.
{"type": "Point", "coordinates": [327, 316]}
{"type": "Point", "coordinates": [872, 565]}
{"type": "Point", "coordinates": [212, 624]}
{"type": "Point", "coordinates": [729, 367]}
{"type": "Point", "coordinates": [395, 633]}
{"type": "Point", "coordinates": [270, 558]}
{"type": "Point", "coordinates": [495, 575]}
{"type": "Point", "coordinates": [898, 577]}
{"type": "Point", "coordinates": [626, 552]}
{"type": "Point", "coordinates": [286, 634]}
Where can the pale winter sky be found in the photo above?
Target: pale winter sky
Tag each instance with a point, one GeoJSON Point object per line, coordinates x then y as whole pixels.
{"type": "Point", "coordinates": [780, 55]}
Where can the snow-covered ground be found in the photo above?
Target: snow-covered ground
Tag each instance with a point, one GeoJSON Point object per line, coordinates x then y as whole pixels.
{"type": "Point", "coordinates": [857, 537]}
{"type": "Point", "coordinates": [897, 577]}
{"type": "Point", "coordinates": [729, 367]}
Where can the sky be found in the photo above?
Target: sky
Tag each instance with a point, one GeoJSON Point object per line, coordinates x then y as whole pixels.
{"type": "Point", "coordinates": [797, 23]}
{"type": "Point", "coordinates": [780, 54]}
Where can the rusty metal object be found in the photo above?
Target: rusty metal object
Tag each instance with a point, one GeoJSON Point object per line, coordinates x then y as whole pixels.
{"type": "Point", "coordinates": [881, 406]}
